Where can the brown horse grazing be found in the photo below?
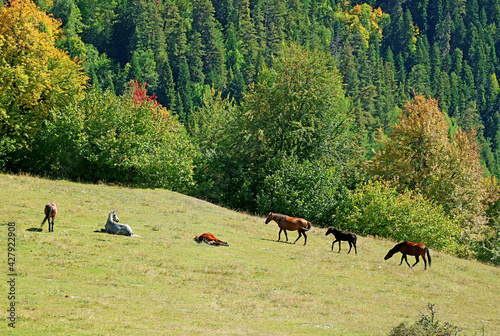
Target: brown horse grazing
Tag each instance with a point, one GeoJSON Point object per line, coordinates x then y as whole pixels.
{"type": "Point", "coordinates": [50, 213]}
{"type": "Point", "coordinates": [290, 223]}
{"type": "Point", "coordinates": [414, 249]}
{"type": "Point", "coordinates": [209, 239]}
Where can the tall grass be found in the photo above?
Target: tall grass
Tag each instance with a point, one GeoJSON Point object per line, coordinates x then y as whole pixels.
{"type": "Point", "coordinates": [81, 282]}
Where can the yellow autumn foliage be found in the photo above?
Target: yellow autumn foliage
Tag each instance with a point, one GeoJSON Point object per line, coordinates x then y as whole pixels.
{"type": "Point", "coordinates": [421, 155]}
{"type": "Point", "coordinates": [363, 22]}
{"type": "Point", "coordinates": [35, 76]}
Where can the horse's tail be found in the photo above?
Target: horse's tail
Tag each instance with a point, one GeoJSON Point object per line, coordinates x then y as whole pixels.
{"type": "Point", "coordinates": [308, 227]}
{"type": "Point", "coordinates": [48, 212]}
{"type": "Point", "coordinates": [428, 256]}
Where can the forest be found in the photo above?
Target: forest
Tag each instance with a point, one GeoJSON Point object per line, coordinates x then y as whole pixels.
{"type": "Point", "coordinates": [380, 117]}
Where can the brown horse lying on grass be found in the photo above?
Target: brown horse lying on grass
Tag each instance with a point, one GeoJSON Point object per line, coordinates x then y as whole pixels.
{"type": "Point", "coordinates": [290, 223]}
{"type": "Point", "coordinates": [414, 249]}
{"type": "Point", "coordinates": [210, 239]}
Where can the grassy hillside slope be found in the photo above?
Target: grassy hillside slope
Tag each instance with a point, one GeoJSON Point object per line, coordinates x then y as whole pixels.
{"type": "Point", "coordinates": [81, 282]}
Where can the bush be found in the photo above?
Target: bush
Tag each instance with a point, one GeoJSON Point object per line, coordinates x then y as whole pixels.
{"type": "Point", "coordinates": [111, 138]}
{"type": "Point", "coordinates": [488, 249]}
{"type": "Point", "coordinates": [426, 326]}
{"type": "Point", "coordinates": [378, 209]}
{"type": "Point", "coordinates": [311, 190]}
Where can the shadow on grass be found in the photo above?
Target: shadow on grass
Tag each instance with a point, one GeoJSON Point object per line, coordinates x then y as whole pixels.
{"type": "Point", "coordinates": [276, 241]}
{"type": "Point", "coordinates": [34, 229]}
{"type": "Point", "coordinates": [100, 231]}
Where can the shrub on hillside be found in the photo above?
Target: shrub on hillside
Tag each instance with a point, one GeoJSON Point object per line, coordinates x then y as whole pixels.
{"type": "Point", "coordinates": [426, 326]}
{"type": "Point", "coordinates": [488, 248]}
{"type": "Point", "coordinates": [378, 209]}
{"type": "Point", "coordinates": [115, 139]}
{"type": "Point", "coordinates": [311, 190]}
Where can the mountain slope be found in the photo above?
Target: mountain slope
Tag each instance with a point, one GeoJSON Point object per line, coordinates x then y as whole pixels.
{"type": "Point", "coordinates": [82, 282]}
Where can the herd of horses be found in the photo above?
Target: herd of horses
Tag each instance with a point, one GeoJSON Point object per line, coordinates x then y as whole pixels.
{"type": "Point", "coordinates": [285, 223]}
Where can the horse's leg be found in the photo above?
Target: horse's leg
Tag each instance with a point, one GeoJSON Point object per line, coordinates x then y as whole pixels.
{"type": "Point", "coordinates": [305, 238]}
{"type": "Point", "coordinates": [425, 262]}
{"type": "Point", "coordinates": [417, 260]}
{"type": "Point", "coordinates": [339, 245]}
{"type": "Point", "coordinates": [350, 247]}
{"type": "Point", "coordinates": [403, 257]}
{"type": "Point", "coordinates": [355, 249]}
{"type": "Point", "coordinates": [51, 225]}
{"type": "Point", "coordinates": [333, 244]}
{"type": "Point", "coordinates": [284, 230]}
{"type": "Point", "coordinates": [300, 235]}
{"type": "Point", "coordinates": [406, 259]}
{"type": "Point", "coordinates": [279, 234]}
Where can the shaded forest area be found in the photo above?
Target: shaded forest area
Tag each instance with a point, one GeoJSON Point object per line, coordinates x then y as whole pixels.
{"type": "Point", "coordinates": [387, 51]}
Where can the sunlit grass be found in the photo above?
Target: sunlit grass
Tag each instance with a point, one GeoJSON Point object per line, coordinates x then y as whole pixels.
{"type": "Point", "coordinates": [164, 283]}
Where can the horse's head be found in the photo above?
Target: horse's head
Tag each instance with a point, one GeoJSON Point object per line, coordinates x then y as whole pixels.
{"type": "Point", "coordinates": [269, 217]}
{"type": "Point", "coordinates": [330, 230]}
{"type": "Point", "coordinates": [389, 255]}
{"type": "Point", "coordinates": [113, 216]}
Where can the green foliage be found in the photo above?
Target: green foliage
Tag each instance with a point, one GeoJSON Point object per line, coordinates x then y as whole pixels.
{"type": "Point", "coordinates": [297, 107]}
{"type": "Point", "coordinates": [377, 208]}
{"type": "Point", "coordinates": [426, 326]}
{"type": "Point", "coordinates": [312, 190]}
{"type": "Point", "coordinates": [295, 114]}
{"type": "Point", "coordinates": [488, 248]}
{"type": "Point", "coordinates": [35, 76]}
{"type": "Point", "coordinates": [107, 137]}
{"type": "Point", "coordinates": [420, 155]}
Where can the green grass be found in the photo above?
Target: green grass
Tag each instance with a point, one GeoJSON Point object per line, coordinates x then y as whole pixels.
{"type": "Point", "coordinates": [163, 283]}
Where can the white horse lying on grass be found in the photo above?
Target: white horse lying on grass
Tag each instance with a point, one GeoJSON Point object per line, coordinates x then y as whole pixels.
{"type": "Point", "coordinates": [113, 227]}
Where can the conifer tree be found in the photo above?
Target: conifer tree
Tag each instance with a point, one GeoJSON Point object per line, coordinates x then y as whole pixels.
{"type": "Point", "coordinates": [248, 38]}
{"type": "Point", "coordinates": [185, 91]}
{"type": "Point", "coordinates": [204, 23]}
{"type": "Point", "coordinates": [175, 28]}
{"type": "Point", "coordinates": [166, 92]}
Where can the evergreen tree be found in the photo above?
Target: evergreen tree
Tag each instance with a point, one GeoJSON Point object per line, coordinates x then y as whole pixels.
{"type": "Point", "coordinates": [175, 28]}
{"type": "Point", "coordinates": [435, 68]}
{"type": "Point", "coordinates": [123, 32]}
{"type": "Point", "coordinates": [185, 92]}
{"type": "Point", "coordinates": [205, 24]}
{"type": "Point", "coordinates": [248, 39]}
{"type": "Point", "coordinates": [166, 92]}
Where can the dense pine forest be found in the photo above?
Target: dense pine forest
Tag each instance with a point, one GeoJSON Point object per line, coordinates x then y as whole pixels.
{"type": "Point", "coordinates": [382, 117]}
{"type": "Point", "coordinates": [387, 51]}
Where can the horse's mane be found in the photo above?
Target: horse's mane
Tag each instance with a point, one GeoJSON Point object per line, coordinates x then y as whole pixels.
{"type": "Point", "coordinates": [111, 217]}
{"type": "Point", "coordinates": [399, 246]}
{"type": "Point", "coordinates": [278, 216]}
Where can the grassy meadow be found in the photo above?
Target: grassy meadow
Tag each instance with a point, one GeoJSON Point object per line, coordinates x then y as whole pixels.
{"type": "Point", "coordinates": [79, 281]}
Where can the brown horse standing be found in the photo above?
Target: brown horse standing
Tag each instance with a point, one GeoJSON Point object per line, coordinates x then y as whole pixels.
{"type": "Point", "coordinates": [290, 223]}
{"type": "Point", "coordinates": [414, 249]}
{"type": "Point", "coordinates": [50, 213]}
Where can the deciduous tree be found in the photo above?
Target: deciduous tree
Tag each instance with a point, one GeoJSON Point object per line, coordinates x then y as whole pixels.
{"type": "Point", "coordinates": [35, 76]}
{"type": "Point", "coordinates": [420, 155]}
